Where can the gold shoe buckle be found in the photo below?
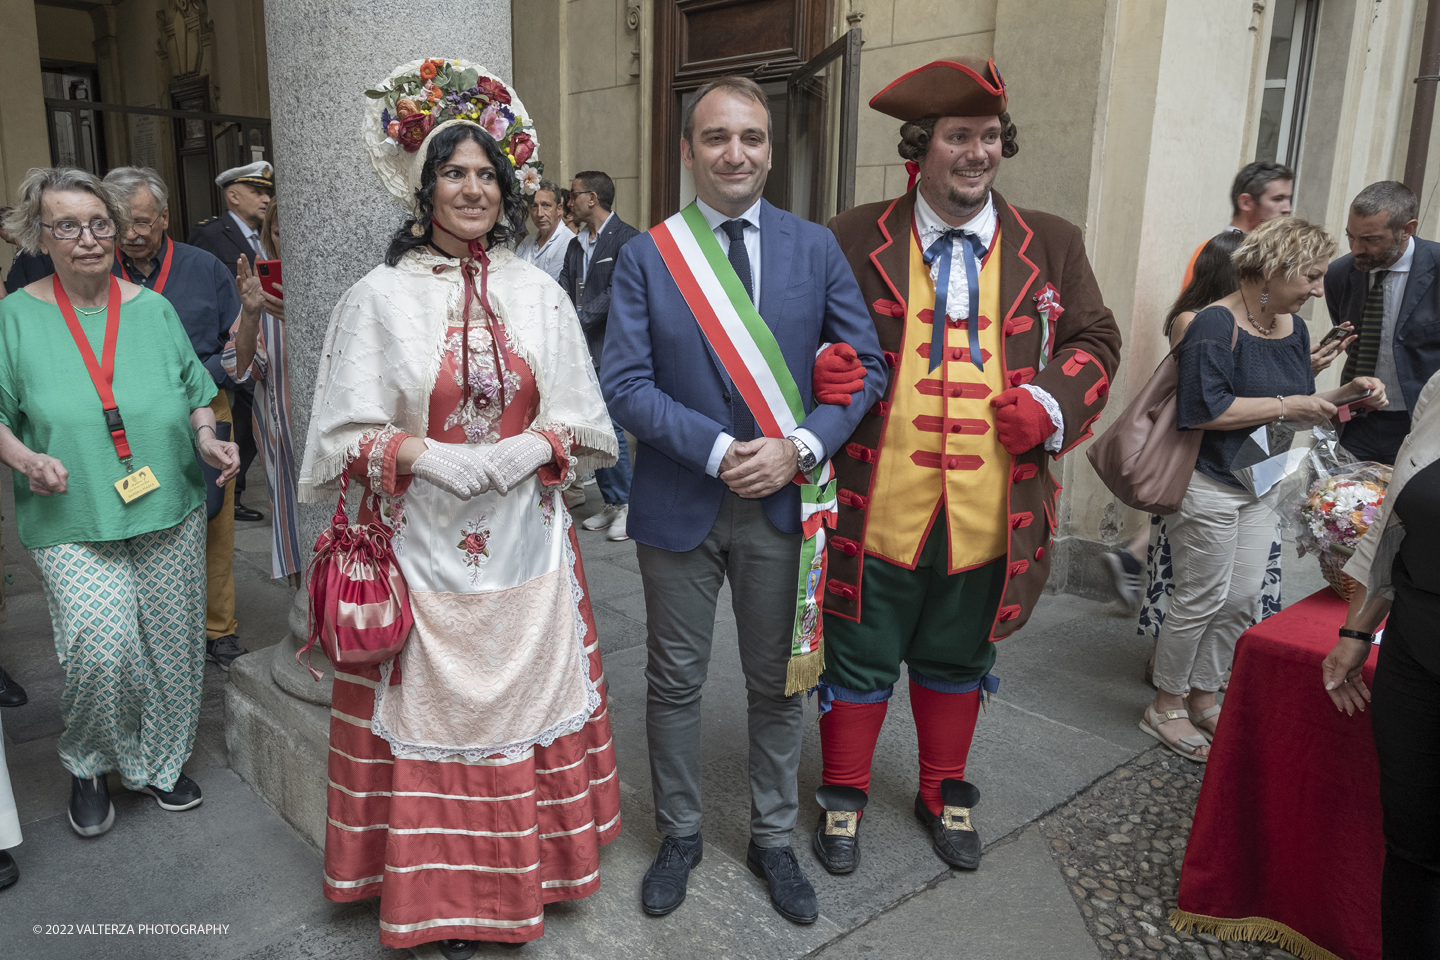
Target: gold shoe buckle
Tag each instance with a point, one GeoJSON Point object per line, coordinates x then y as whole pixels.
{"type": "Point", "coordinates": [840, 823]}
{"type": "Point", "coordinates": [956, 818]}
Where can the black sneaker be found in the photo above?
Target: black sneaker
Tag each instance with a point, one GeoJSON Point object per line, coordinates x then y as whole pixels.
{"type": "Point", "coordinates": [11, 693]}
{"type": "Point", "coordinates": [223, 651]}
{"type": "Point", "coordinates": [91, 812]}
{"type": "Point", "coordinates": [836, 840]}
{"type": "Point", "coordinates": [1128, 574]}
{"type": "Point", "coordinates": [663, 888]}
{"type": "Point", "coordinates": [952, 833]}
{"type": "Point", "coordinates": [790, 892]}
{"type": "Point", "coordinates": [184, 795]}
{"type": "Point", "coordinates": [9, 870]}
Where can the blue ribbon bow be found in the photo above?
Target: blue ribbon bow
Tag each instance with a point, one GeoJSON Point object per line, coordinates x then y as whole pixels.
{"type": "Point", "coordinates": [943, 249]}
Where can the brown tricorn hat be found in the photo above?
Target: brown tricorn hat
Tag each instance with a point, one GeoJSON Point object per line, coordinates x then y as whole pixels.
{"type": "Point", "coordinates": [954, 87]}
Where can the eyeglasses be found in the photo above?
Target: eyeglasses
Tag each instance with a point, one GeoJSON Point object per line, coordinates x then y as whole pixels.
{"type": "Point", "coordinates": [142, 227]}
{"type": "Point", "coordinates": [101, 228]}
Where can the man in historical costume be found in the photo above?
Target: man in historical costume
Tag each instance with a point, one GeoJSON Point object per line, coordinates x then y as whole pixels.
{"type": "Point", "coordinates": [1000, 350]}
{"type": "Point", "coordinates": [230, 236]}
{"type": "Point", "coordinates": [715, 319]}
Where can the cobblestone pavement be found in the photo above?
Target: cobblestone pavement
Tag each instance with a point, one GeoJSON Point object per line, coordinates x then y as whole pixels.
{"type": "Point", "coordinates": [1120, 843]}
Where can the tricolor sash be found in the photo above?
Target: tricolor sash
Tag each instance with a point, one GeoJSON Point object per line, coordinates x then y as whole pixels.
{"type": "Point", "coordinates": [753, 361]}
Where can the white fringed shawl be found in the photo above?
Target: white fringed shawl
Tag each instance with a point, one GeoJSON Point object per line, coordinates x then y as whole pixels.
{"type": "Point", "coordinates": [384, 346]}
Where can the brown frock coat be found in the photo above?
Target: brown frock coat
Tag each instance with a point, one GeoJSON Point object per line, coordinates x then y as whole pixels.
{"type": "Point", "coordinates": [1036, 249]}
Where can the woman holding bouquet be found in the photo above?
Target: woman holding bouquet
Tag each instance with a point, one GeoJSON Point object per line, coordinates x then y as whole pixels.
{"type": "Point", "coordinates": [1395, 568]}
{"type": "Point", "coordinates": [472, 778]}
{"type": "Point", "coordinates": [1220, 538]}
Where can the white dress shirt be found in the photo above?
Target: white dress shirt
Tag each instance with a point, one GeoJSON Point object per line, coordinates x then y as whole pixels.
{"type": "Point", "coordinates": [751, 238]}
{"type": "Point", "coordinates": [1396, 277]}
{"type": "Point", "coordinates": [250, 233]}
{"type": "Point", "coordinates": [551, 256]}
{"type": "Point", "coordinates": [957, 304]}
{"type": "Point", "coordinates": [588, 241]}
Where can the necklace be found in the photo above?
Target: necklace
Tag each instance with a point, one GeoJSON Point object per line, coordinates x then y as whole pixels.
{"type": "Point", "coordinates": [1263, 331]}
{"type": "Point", "coordinates": [90, 313]}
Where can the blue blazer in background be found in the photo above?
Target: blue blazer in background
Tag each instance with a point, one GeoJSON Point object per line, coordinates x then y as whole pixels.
{"type": "Point", "coordinates": [663, 383]}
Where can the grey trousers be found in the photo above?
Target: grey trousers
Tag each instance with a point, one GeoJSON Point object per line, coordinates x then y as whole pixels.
{"type": "Point", "coordinates": [680, 595]}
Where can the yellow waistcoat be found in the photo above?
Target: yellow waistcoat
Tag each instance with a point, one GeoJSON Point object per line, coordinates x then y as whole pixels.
{"type": "Point", "coordinates": [939, 446]}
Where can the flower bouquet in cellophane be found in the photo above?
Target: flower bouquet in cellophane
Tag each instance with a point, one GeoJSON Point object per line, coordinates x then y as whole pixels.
{"type": "Point", "coordinates": [1334, 516]}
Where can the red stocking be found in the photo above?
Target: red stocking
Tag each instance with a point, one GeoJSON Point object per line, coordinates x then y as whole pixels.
{"type": "Point", "coordinates": [847, 742]}
{"type": "Point", "coordinates": [945, 725]}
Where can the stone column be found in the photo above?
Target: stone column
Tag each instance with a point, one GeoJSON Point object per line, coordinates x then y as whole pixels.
{"type": "Point", "coordinates": [24, 142]}
{"type": "Point", "coordinates": [336, 221]}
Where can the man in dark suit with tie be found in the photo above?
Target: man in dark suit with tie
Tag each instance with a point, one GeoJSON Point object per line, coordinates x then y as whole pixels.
{"type": "Point", "coordinates": [713, 496]}
{"type": "Point", "coordinates": [230, 236]}
{"type": "Point", "coordinates": [1386, 288]}
{"type": "Point", "coordinates": [589, 265]}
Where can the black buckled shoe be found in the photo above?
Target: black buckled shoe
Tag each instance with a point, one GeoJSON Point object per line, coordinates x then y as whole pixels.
{"type": "Point", "coordinates": [9, 870]}
{"type": "Point", "coordinates": [835, 840]}
{"type": "Point", "coordinates": [11, 693]}
{"type": "Point", "coordinates": [457, 949]}
{"type": "Point", "coordinates": [91, 812]}
{"type": "Point", "coordinates": [184, 795]}
{"type": "Point", "coordinates": [790, 892]}
{"type": "Point", "coordinates": [953, 834]}
{"type": "Point", "coordinates": [663, 888]}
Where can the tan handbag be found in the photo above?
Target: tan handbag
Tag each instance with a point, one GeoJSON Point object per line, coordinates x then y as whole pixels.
{"type": "Point", "coordinates": [1143, 458]}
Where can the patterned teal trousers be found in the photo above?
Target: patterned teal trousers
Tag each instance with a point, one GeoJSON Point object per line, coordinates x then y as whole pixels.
{"type": "Point", "coordinates": [129, 622]}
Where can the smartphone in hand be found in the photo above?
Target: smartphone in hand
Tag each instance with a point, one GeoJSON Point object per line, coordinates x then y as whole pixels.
{"type": "Point", "coordinates": [1337, 332]}
{"type": "Point", "coordinates": [269, 271]}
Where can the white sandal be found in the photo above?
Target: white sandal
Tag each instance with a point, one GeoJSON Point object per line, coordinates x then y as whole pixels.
{"type": "Point", "coordinates": [1185, 746]}
{"type": "Point", "coordinates": [1206, 714]}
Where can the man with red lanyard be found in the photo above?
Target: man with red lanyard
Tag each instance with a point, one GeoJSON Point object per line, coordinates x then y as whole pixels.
{"type": "Point", "coordinates": [1000, 351]}
{"type": "Point", "coordinates": [205, 295]}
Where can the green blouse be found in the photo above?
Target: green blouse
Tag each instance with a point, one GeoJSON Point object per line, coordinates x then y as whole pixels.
{"type": "Point", "coordinates": [48, 400]}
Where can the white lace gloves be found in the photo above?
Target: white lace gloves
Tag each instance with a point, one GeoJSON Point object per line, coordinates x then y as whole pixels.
{"type": "Point", "coordinates": [512, 461]}
{"type": "Point", "coordinates": [469, 469]}
{"type": "Point", "coordinates": [455, 468]}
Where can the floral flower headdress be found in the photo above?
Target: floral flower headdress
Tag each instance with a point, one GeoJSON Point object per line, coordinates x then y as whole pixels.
{"type": "Point", "coordinates": [420, 97]}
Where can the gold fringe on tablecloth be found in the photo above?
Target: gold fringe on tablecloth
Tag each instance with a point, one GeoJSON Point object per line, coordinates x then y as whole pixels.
{"type": "Point", "coordinates": [1252, 928]}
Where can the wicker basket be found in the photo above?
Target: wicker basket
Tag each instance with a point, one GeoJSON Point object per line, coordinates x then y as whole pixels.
{"type": "Point", "coordinates": [1332, 567]}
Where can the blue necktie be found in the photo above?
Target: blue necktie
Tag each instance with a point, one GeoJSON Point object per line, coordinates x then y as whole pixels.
{"type": "Point", "coordinates": [744, 420]}
{"type": "Point", "coordinates": [943, 248]}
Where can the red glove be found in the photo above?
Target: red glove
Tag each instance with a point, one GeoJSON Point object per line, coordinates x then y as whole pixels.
{"type": "Point", "coordinates": [1020, 421]}
{"type": "Point", "coordinates": [838, 374]}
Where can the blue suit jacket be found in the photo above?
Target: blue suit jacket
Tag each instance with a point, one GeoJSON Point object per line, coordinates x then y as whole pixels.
{"type": "Point", "coordinates": [1417, 333]}
{"type": "Point", "coordinates": [663, 383]}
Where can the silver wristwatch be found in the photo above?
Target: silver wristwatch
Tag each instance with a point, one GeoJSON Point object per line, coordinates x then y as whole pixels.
{"type": "Point", "coordinates": [807, 456]}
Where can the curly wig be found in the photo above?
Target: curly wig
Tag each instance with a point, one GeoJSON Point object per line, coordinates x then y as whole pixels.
{"type": "Point", "coordinates": [915, 138]}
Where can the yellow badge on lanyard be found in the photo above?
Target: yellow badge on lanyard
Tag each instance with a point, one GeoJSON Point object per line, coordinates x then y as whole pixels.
{"type": "Point", "coordinates": [136, 485]}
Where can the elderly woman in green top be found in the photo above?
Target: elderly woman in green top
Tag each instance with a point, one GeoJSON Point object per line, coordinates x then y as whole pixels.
{"type": "Point", "coordinates": [103, 404]}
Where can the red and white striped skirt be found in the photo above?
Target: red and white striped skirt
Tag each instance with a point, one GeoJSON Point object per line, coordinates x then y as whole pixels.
{"type": "Point", "coordinates": [466, 849]}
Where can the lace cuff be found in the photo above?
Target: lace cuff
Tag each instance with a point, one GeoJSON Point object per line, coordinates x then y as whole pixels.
{"type": "Point", "coordinates": [1052, 407]}
{"type": "Point", "coordinates": [557, 471]}
{"type": "Point", "coordinates": [375, 465]}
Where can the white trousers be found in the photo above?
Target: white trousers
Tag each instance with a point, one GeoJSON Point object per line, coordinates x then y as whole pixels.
{"type": "Point", "coordinates": [1220, 545]}
{"type": "Point", "coordinates": [9, 816]}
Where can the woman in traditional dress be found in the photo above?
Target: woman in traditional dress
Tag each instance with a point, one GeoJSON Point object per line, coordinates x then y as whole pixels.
{"type": "Point", "coordinates": [472, 778]}
{"type": "Point", "coordinates": [256, 352]}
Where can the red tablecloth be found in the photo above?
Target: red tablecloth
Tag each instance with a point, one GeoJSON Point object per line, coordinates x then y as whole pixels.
{"type": "Point", "coordinates": [1286, 844]}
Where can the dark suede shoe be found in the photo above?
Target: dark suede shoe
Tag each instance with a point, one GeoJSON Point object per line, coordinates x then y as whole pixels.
{"type": "Point", "coordinates": [952, 833]}
{"type": "Point", "coordinates": [223, 651]}
{"type": "Point", "coordinates": [836, 841]}
{"type": "Point", "coordinates": [9, 871]}
{"type": "Point", "coordinates": [663, 888]}
{"type": "Point", "coordinates": [91, 812]}
{"type": "Point", "coordinates": [790, 892]}
{"type": "Point", "coordinates": [11, 693]}
{"type": "Point", "coordinates": [457, 949]}
{"type": "Point", "coordinates": [184, 795]}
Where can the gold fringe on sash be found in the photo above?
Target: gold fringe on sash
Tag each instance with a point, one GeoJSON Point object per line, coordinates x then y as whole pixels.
{"type": "Point", "coordinates": [1252, 928]}
{"type": "Point", "coordinates": [803, 671]}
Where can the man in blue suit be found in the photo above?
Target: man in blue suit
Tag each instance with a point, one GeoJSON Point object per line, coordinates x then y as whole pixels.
{"type": "Point", "coordinates": [711, 496]}
{"type": "Point", "coordinates": [1385, 287]}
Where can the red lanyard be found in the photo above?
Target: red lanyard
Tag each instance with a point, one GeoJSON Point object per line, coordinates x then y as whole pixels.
{"type": "Point", "coordinates": [101, 374]}
{"type": "Point", "coordinates": [159, 286]}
